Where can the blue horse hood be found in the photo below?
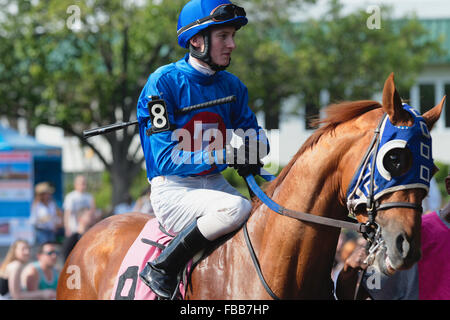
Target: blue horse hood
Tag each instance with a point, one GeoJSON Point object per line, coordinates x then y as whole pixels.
{"type": "Point", "coordinates": [417, 139]}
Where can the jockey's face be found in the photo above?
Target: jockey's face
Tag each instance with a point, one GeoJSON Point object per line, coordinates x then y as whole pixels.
{"type": "Point", "coordinates": [222, 44]}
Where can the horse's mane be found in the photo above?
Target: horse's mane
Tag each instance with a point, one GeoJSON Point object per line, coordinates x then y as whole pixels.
{"type": "Point", "coordinates": [336, 114]}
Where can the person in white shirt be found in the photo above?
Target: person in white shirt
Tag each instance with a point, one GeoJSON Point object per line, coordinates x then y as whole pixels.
{"type": "Point", "coordinates": [78, 199]}
{"type": "Point", "coordinates": [45, 215]}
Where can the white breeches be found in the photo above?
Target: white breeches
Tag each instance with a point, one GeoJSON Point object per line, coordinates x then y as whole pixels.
{"type": "Point", "coordinates": [217, 206]}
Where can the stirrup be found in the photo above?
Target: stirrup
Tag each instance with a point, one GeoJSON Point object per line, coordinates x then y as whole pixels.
{"type": "Point", "coordinates": [164, 272]}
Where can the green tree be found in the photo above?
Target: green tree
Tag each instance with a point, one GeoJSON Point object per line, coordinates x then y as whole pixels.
{"type": "Point", "coordinates": [341, 54]}
{"type": "Point", "coordinates": [280, 58]}
{"type": "Point", "coordinates": [262, 61]}
{"type": "Point", "coordinates": [79, 65]}
{"type": "Point", "coordinates": [82, 66]}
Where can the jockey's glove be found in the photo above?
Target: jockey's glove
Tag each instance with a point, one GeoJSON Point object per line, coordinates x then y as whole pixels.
{"type": "Point", "coordinates": [244, 159]}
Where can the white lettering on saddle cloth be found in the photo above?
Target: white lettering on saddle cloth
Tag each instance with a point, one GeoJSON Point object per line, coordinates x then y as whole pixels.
{"type": "Point", "coordinates": [128, 285]}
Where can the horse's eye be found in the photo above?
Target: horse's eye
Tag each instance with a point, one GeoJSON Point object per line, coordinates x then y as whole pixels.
{"type": "Point", "coordinates": [397, 161]}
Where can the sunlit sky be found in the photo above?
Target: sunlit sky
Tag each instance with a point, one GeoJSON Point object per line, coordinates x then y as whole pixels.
{"type": "Point", "coordinates": [422, 8]}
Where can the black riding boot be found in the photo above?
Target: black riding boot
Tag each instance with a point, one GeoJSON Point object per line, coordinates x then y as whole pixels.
{"type": "Point", "coordinates": [162, 273]}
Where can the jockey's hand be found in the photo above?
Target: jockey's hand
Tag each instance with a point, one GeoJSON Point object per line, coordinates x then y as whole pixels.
{"type": "Point", "coordinates": [243, 160]}
{"type": "Point", "coordinates": [246, 169]}
{"type": "Point", "coordinates": [348, 277]}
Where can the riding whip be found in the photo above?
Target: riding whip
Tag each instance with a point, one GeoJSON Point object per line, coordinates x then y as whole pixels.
{"type": "Point", "coordinates": [122, 125]}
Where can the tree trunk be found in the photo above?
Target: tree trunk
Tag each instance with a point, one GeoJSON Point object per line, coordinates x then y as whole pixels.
{"type": "Point", "coordinates": [271, 117]}
{"type": "Point", "coordinates": [121, 184]}
{"type": "Point", "coordinates": [121, 180]}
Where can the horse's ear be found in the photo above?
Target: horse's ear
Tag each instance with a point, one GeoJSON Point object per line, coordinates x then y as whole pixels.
{"type": "Point", "coordinates": [392, 104]}
{"type": "Point", "coordinates": [432, 115]}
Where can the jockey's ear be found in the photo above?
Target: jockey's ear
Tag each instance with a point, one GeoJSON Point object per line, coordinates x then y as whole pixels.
{"type": "Point", "coordinates": [198, 42]}
{"type": "Point", "coordinates": [392, 103]}
{"type": "Point", "coordinates": [432, 115]}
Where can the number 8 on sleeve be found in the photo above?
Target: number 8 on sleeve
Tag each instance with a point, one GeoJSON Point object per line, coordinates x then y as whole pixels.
{"type": "Point", "coordinates": [158, 116]}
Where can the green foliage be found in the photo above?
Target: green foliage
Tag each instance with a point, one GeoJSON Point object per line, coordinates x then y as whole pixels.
{"type": "Point", "coordinates": [444, 171]}
{"type": "Point", "coordinates": [139, 185]}
{"type": "Point", "coordinates": [78, 77]}
{"type": "Point", "coordinates": [103, 193]}
{"type": "Point", "coordinates": [278, 58]}
{"type": "Point", "coordinates": [91, 74]}
{"type": "Point", "coordinates": [102, 190]}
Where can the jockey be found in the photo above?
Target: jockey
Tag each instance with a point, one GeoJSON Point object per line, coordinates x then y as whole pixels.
{"type": "Point", "coordinates": [189, 195]}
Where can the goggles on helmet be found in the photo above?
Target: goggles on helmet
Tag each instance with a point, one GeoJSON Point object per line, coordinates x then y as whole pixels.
{"type": "Point", "coordinates": [221, 13]}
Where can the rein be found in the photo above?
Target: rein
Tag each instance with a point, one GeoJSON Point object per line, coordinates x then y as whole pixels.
{"type": "Point", "coordinates": [370, 230]}
{"type": "Point", "coordinates": [256, 190]}
{"type": "Point", "coordinates": [351, 224]}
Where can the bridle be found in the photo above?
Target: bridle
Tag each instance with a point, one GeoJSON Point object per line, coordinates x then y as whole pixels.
{"type": "Point", "coordinates": [372, 206]}
{"type": "Point", "coordinates": [370, 230]}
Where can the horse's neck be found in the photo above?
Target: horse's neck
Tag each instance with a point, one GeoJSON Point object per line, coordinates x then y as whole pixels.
{"type": "Point", "coordinates": [297, 257]}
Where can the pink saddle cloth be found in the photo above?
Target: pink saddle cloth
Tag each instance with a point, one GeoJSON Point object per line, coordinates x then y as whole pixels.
{"type": "Point", "coordinates": [128, 285]}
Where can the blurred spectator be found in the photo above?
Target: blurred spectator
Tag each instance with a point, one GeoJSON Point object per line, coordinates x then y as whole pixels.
{"type": "Point", "coordinates": [124, 207]}
{"type": "Point", "coordinates": [344, 248]}
{"type": "Point", "coordinates": [44, 213]}
{"type": "Point", "coordinates": [347, 249]}
{"type": "Point", "coordinates": [143, 203]}
{"type": "Point", "coordinates": [85, 220]}
{"type": "Point", "coordinates": [432, 201]}
{"type": "Point", "coordinates": [337, 263]}
{"type": "Point", "coordinates": [426, 280]}
{"type": "Point", "coordinates": [42, 274]}
{"type": "Point", "coordinates": [78, 199]}
{"type": "Point", "coordinates": [11, 272]}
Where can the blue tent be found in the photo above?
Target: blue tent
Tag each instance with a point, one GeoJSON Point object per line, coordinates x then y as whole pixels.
{"type": "Point", "coordinates": [24, 162]}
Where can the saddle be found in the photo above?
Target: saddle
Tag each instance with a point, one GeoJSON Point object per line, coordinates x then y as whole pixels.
{"type": "Point", "coordinates": [148, 245]}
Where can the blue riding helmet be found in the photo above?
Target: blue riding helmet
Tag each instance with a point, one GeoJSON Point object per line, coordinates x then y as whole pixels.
{"type": "Point", "coordinates": [198, 15]}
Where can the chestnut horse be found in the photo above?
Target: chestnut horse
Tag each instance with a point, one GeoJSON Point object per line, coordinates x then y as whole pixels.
{"type": "Point", "coordinates": [295, 257]}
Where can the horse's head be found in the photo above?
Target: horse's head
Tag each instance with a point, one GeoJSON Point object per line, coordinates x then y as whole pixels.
{"type": "Point", "coordinates": [392, 180]}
